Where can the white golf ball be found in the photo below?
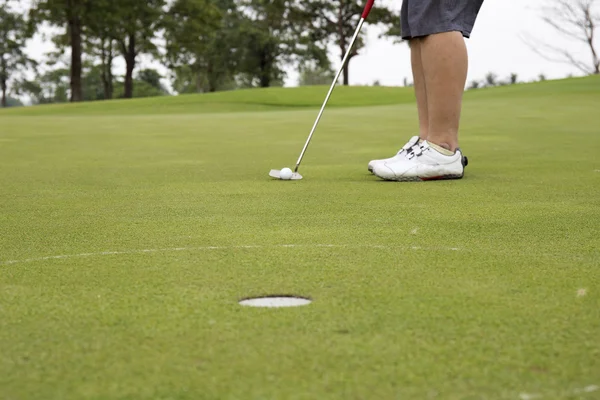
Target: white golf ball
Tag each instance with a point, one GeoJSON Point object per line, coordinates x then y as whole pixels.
{"type": "Point", "coordinates": [285, 174]}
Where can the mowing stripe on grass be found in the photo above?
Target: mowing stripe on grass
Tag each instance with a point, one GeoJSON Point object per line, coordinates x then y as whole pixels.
{"type": "Point", "coordinates": [111, 253]}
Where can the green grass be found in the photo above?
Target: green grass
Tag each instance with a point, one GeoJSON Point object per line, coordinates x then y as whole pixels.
{"type": "Point", "coordinates": [448, 290]}
{"type": "Point", "coordinates": [234, 101]}
{"type": "Point", "coordinates": [288, 99]}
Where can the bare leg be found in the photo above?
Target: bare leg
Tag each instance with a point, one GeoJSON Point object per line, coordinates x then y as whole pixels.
{"type": "Point", "coordinates": [445, 63]}
{"type": "Point", "coordinates": [420, 89]}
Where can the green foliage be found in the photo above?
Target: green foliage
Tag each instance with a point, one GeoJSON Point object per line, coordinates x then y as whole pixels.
{"type": "Point", "coordinates": [219, 44]}
{"type": "Point", "coordinates": [146, 84]}
{"type": "Point", "coordinates": [13, 102]}
{"type": "Point", "coordinates": [140, 89]}
{"type": "Point", "coordinates": [201, 43]}
{"type": "Point", "coordinates": [334, 22]}
{"type": "Point", "coordinates": [267, 40]}
{"type": "Point", "coordinates": [53, 86]}
{"type": "Point", "coordinates": [315, 75]}
{"type": "Point", "coordinates": [210, 45]}
{"type": "Point", "coordinates": [135, 26]}
{"type": "Point", "coordinates": [152, 77]}
{"type": "Point", "coordinates": [93, 85]}
{"type": "Point", "coordinates": [474, 84]}
{"type": "Point", "coordinates": [185, 80]}
{"type": "Point", "coordinates": [491, 79]}
{"type": "Point", "coordinates": [58, 12]}
{"type": "Point", "coordinates": [46, 88]}
{"type": "Point", "coordinates": [14, 31]}
{"type": "Point", "coordinates": [100, 42]}
{"type": "Point", "coordinates": [72, 16]}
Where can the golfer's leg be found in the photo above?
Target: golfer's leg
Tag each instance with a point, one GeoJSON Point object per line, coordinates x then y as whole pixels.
{"type": "Point", "coordinates": [445, 63]}
{"type": "Point", "coordinates": [419, 84]}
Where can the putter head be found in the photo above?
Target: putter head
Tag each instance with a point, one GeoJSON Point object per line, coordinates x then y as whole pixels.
{"type": "Point", "coordinates": [275, 173]}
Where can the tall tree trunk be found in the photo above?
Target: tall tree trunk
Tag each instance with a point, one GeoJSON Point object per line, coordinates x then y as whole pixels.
{"type": "Point", "coordinates": [103, 57]}
{"type": "Point", "coordinates": [265, 71]}
{"type": "Point", "coordinates": [198, 81]}
{"type": "Point", "coordinates": [130, 66]}
{"type": "Point", "coordinates": [109, 74]}
{"type": "Point", "coordinates": [75, 38]}
{"type": "Point", "coordinates": [212, 86]}
{"type": "Point", "coordinates": [346, 73]}
{"type": "Point", "coordinates": [3, 79]}
{"type": "Point", "coordinates": [342, 37]}
{"type": "Point", "coordinates": [106, 63]}
{"type": "Point", "coordinates": [265, 79]}
{"type": "Point", "coordinates": [3, 84]}
{"type": "Point", "coordinates": [595, 58]}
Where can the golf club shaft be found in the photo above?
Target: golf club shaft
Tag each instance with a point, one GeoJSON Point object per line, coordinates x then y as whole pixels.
{"type": "Point", "coordinates": [337, 76]}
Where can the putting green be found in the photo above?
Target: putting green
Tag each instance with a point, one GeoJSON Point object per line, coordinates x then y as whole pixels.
{"type": "Point", "coordinates": [131, 229]}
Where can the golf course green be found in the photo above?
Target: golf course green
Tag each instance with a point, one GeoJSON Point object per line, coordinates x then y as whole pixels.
{"type": "Point", "coordinates": [130, 229]}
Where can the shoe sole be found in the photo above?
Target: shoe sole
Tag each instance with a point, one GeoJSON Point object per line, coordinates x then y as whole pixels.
{"type": "Point", "coordinates": [465, 162]}
{"type": "Point", "coordinates": [417, 179]}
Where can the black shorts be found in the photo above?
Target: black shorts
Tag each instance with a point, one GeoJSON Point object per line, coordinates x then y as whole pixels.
{"type": "Point", "coordinates": [426, 17]}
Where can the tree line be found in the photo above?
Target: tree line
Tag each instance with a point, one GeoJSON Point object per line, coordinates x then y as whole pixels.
{"type": "Point", "coordinates": [211, 45]}
{"type": "Point", "coordinates": [207, 45]}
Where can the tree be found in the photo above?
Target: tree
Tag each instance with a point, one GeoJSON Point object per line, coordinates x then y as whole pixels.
{"type": "Point", "coordinates": [184, 80]}
{"type": "Point", "coordinates": [146, 84]}
{"type": "Point", "coordinates": [50, 87]}
{"type": "Point", "coordinates": [100, 43]}
{"type": "Point", "coordinates": [93, 85]}
{"type": "Point", "coordinates": [140, 89]}
{"type": "Point", "coordinates": [314, 75]}
{"type": "Point", "coordinates": [491, 79]}
{"type": "Point", "coordinates": [576, 20]}
{"type": "Point", "coordinates": [335, 21]}
{"type": "Point", "coordinates": [12, 102]}
{"type": "Point", "coordinates": [267, 39]}
{"type": "Point", "coordinates": [200, 44]}
{"type": "Point", "coordinates": [105, 51]}
{"type": "Point", "coordinates": [13, 35]}
{"type": "Point", "coordinates": [136, 23]}
{"type": "Point", "coordinates": [71, 15]}
{"type": "Point", "coordinates": [474, 85]}
{"type": "Point", "coordinates": [152, 77]}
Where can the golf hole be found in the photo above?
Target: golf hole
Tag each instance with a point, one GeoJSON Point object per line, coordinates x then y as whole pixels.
{"type": "Point", "coordinates": [275, 301]}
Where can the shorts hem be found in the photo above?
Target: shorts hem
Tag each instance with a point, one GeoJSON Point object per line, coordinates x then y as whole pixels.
{"type": "Point", "coordinates": [451, 28]}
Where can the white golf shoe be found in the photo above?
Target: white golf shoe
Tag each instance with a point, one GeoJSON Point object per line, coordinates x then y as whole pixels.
{"type": "Point", "coordinates": [421, 163]}
{"type": "Point", "coordinates": [413, 141]}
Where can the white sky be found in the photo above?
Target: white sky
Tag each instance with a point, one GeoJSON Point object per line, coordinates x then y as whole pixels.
{"type": "Point", "coordinates": [495, 46]}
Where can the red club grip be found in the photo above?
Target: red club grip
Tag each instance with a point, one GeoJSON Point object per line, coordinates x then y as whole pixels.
{"type": "Point", "coordinates": [367, 9]}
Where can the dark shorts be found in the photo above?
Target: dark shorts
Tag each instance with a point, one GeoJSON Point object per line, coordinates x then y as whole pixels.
{"type": "Point", "coordinates": [426, 17]}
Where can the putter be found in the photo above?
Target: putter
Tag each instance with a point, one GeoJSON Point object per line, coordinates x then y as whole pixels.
{"type": "Point", "coordinates": [275, 173]}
